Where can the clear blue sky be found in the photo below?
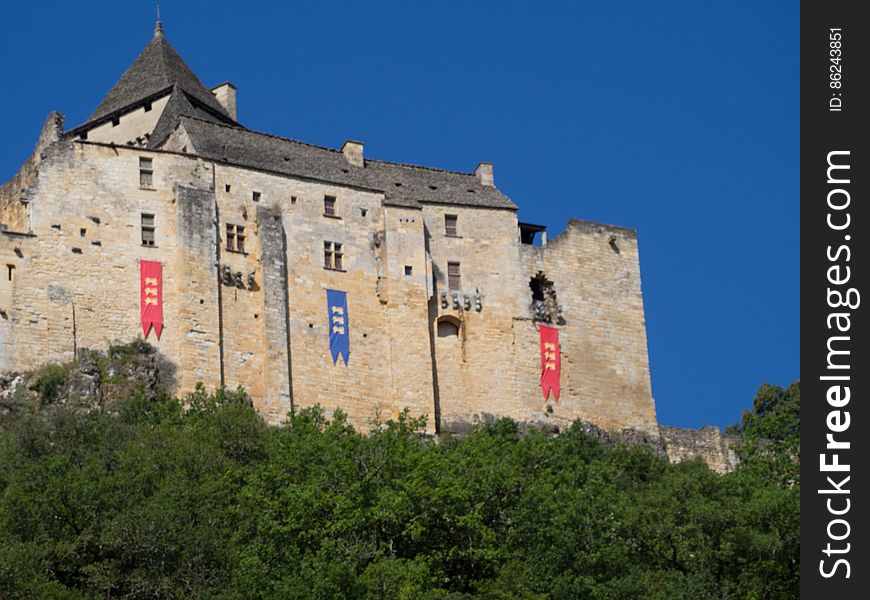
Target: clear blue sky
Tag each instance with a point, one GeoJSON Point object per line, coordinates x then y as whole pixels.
{"type": "Point", "coordinates": [679, 119]}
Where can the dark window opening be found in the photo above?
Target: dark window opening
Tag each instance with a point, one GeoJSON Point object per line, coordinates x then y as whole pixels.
{"type": "Point", "coordinates": [83, 232]}
{"type": "Point", "coordinates": [83, 135]}
{"type": "Point", "coordinates": [545, 307]}
{"type": "Point", "coordinates": [116, 121]}
{"type": "Point", "coordinates": [333, 256]}
{"type": "Point", "coordinates": [329, 206]}
{"type": "Point", "coordinates": [235, 238]}
{"type": "Point", "coordinates": [255, 196]}
{"type": "Point", "coordinates": [228, 187]}
{"type": "Point", "coordinates": [454, 276]}
{"type": "Point", "coordinates": [451, 223]}
{"type": "Point", "coordinates": [147, 107]}
{"type": "Point", "coordinates": [10, 272]}
{"type": "Point", "coordinates": [408, 270]}
{"type": "Point", "coordinates": [146, 173]}
{"type": "Point", "coordinates": [363, 212]}
{"type": "Point", "coordinates": [292, 199]}
{"type": "Point", "coordinates": [448, 328]}
{"type": "Point", "coordinates": [147, 229]}
{"type": "Point", "coordinates": [533, 235]}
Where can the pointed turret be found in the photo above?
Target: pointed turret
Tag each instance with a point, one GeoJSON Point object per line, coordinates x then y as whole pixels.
{"type": "Point", "coordinates": [156, 70]}
{"type": "Point", "coordinates": [158, 77]}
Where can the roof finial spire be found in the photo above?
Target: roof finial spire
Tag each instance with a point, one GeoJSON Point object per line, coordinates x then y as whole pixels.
{"type": "Point", "coordinates": [158, 26]}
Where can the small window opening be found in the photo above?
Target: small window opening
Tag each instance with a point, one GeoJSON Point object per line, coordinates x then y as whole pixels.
{"type": "Point", "coordinates": [454, 276]}
{"type": "Point", "coordinates": [116, 121]}
{"type": "Point", "coordinates": [363, 212]}
{"type": "Point", "coordinates": [10, 272]}
{"type": "Point", "coordinates": [235, 238]}
{"type": "Point", "coordinates": [408, 270]}
{"type": "Point", "coordinates": [83, 232]}
{"type": "Point", "coordinates": [333, 256]}
{"type": "Point", "coordinates": [255, 196]}
{"type": "Point", "coordinates": [292, 199]}
{"type": "Point", "coordinates": [329, 206]}
{"type": "Point", "coordinates": [83, 135]}
{"type": "Point", "coordinates": [451, 223]}
{"type": "Point", "coordinates": [147, 107]}
{"type": "Point", "coordinates": [448, 328]}
{"type": "Point", "coordinates": [146, 173]}
{"type": "Point", "coordinates": [228, 187]}
{"type": "Point", "coordinates": [147, 229]}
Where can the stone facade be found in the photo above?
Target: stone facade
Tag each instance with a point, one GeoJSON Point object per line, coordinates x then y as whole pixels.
{"type": "Point", "coordinates": [443, 290]}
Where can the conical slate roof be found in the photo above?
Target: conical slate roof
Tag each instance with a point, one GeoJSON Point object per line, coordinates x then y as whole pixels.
{"type": "Point", "coordinates": [157, 68]}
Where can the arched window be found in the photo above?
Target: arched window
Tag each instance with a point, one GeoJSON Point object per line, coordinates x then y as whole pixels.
{"type": "Point", "coordinates": [448, 327]}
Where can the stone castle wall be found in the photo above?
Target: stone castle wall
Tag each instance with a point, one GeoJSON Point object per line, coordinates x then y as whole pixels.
{"type": "Point", "coordinates": [708, 443]}
{"type": "Point", "coordinates": [76, 252]}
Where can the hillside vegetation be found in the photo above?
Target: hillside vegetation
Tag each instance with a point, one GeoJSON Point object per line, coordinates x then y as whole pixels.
{"type": "Point", "coordinates": [150, 496]}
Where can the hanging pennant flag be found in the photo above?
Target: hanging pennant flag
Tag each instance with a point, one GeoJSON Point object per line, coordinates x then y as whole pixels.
{"type": "Point", "coordinates": [339, 333]}
{"type": "Point", "coordinates": [151, 287]}
{"type": "Point", "coordinates": [551, 362]}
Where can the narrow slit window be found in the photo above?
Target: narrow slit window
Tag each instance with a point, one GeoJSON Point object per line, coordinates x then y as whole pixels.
{"type": "Point", "coordinates": [339, 258]}
{"type": "Point", "coordinates": [10, 272]}
{"type": "Point", "coordinates": [329, 206]}
{"type": "Point", "coordinates": [327, 255]}
{"type": "Point", "coordinates": [148, 229]}
{"type": "Point", "coordinates": [454, 276]}
{"type": "Point", "coordinates": [146, 173]}
{"type": "Point", "coordinates": [451, 223]}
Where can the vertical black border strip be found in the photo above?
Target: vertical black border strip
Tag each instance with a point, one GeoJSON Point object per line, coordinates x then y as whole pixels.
{"type": "Point", "coordinates": [826, 253]}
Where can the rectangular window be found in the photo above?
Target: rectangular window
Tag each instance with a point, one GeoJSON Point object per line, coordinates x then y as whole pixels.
{"type": "Point", "coordinates": [333, 256]}
{"type": "Point", "coordinates": [329, 206]}
{"type": "Point", "coordinates": [408, 270]}
{"type": "Point", "coordinates": [255, 196]}
{"type": "Point", "coordinates": [146, 173]}
{"type": "Point", "coordinates": [454, 276]}
{"type": "Point", "coordinates": [147, 229]}
{"type": "Point", "coordinates": [10, 272]}
{"type": "Point", "coordinates": [450, 225]}
{"type": "Point", "coordinates": [235, 238]}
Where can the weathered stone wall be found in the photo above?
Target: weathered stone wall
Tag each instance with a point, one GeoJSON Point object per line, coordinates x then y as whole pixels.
{"type": "Point", "coordinates": [77, 279]}
{"type": "Point", "coordinates": [476, 370]}
{"type": "Point", "coordinates": [595, 272]}
{"type": "Point", "coordinates": [15, 194]}
{"type": "Point", "coordinates": [708, 443]}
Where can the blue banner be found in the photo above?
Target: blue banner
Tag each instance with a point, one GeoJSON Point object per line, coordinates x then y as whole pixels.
{"type": "Point", "coordinates": [339, 332]}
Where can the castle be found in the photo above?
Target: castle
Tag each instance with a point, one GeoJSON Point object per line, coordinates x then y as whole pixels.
{"type": "Point", "coordinates": [311, 275]}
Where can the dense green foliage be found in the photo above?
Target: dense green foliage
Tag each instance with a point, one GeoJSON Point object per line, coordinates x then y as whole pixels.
{"type": "Point", "coordinates": [159, 501]}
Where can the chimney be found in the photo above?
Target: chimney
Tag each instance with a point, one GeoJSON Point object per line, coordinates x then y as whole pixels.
{"type": "Point", "coordinates": [353, 153]}
{"type": "Point", "coordinates": [225, 94]}
{"type": "Point", "coordinates": [484, 173]}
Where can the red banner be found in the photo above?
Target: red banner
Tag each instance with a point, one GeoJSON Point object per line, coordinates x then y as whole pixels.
{"type": "Point", "coordinates": [151, 286]}
{"type": "Point", "coordinates": [551, 362]}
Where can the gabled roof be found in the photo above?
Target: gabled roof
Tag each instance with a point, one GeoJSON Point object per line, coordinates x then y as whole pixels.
{"type": "Point", "coordinates": [157, 68]}
{"type": "Point", "coordinates": [402, 185]}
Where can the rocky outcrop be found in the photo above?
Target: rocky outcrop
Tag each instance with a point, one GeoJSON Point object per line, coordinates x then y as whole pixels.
{"type": "Point", "coordinates": [95, 381]}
